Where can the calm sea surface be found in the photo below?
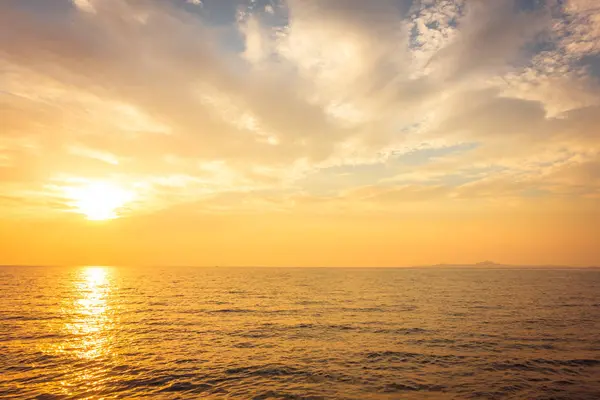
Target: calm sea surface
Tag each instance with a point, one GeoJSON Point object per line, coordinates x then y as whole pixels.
{"type": "Point", "coordinates": [101, 332]}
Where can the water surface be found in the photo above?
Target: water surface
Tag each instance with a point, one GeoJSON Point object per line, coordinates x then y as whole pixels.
{"type": "Point", "coordinates": [252, 333]}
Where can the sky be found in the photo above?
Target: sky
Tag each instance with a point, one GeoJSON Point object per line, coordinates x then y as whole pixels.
{"type": "Point", "coordinates": [299, 132]}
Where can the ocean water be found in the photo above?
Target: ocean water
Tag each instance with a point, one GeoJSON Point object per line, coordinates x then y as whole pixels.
{"type": "Point", "coordinates": [252, 333]}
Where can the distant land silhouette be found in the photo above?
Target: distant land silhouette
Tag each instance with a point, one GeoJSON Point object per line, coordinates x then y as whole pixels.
{"type": "Point", "coordinates": [492, 264]}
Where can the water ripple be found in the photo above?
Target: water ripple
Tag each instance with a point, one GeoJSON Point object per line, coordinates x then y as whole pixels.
{"type": "Point", "coordinates": [173, 333]}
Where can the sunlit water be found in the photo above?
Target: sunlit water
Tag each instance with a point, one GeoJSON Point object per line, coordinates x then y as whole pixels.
{"type": "Point", "coordinates": [99, 332]}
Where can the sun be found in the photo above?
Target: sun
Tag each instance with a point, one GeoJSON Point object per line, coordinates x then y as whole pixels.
{"type": "Point", "coordinates": [99, 201]}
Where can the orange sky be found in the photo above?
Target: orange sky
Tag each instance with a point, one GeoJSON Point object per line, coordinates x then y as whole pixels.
{"type": "Point", "coordinates": [325, 133]}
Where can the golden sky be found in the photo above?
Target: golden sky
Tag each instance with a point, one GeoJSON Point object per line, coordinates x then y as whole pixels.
{"type": "Point", "coordinates": [299, 133]}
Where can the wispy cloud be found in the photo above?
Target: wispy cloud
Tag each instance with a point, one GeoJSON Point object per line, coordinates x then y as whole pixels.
{"type": "Point", "coordinates": [273, 94]}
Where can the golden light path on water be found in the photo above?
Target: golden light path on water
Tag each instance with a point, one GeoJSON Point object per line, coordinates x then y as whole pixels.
{"type": "Point", "coordinates": [88, 327]}
{"type": "Point", "coordinates": [91, 309]}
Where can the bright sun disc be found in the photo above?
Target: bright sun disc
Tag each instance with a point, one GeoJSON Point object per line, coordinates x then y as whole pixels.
{"type": "Point", "coordinates": [99, 200]}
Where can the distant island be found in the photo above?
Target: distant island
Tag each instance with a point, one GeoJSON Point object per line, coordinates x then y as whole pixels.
{"type": "Point", "coordinates": [492, 264]}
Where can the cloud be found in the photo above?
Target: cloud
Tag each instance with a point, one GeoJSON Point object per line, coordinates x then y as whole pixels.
{"type": "Point", "coordinates": [85, 5]}
{"type": "Point", "coordinates": [163, 95]}
{"type": "Point", "coordinates": [490, 40]}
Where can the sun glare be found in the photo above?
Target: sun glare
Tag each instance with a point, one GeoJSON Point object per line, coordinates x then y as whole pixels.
{"type": "Point", "coordinates": [99, 201]}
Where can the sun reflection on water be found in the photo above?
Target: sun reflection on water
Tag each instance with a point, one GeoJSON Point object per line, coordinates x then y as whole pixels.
{"type": "Point", "coordinates": [87, 331]}
{"type": "Point", "coordinates": [91, 313]}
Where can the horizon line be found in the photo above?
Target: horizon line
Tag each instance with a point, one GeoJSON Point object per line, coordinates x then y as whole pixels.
{"type": "Point", "coordinates": [484, 265]}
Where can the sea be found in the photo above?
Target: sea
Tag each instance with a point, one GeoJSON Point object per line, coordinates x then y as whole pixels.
{"type": "Point", "coordinates": [299, 333]}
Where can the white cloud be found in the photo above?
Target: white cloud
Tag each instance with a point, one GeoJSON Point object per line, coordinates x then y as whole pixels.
{"type": "Point", "coordinates": [317, 85]}
{"type": "Point", "coordinates": [85, 5]}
